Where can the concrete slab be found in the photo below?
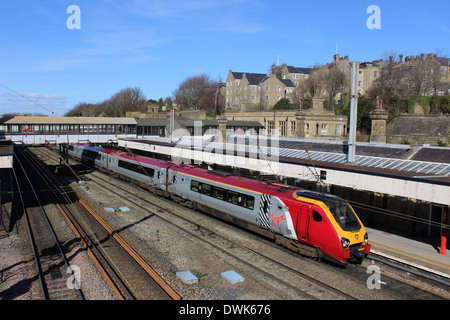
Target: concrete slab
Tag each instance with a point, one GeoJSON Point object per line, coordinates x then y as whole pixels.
{"type": "Point", "coordinates": [232, 276]}
{"type": "Point", "coordinates": [187, 277]}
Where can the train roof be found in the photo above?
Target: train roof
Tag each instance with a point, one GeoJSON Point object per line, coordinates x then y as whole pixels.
{"type": "Point", "coordinates": [98, 149]}
{"type": "Point", "coordinates": [141, 159]}
{"type": "Point", "coordinates": [277, 189]}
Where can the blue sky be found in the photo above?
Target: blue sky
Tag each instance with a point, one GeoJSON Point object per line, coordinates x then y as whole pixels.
{"type": "Point", "coordinates": [156, 44]}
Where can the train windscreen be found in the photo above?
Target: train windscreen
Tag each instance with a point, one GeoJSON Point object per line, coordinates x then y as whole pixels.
{"type": "Point", "coordinates": [344, 215]}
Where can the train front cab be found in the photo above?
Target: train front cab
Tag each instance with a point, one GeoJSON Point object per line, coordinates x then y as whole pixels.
{"type": "Point", "coordinates": [331, 225]}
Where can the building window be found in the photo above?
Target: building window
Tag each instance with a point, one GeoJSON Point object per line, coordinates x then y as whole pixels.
{"type": "Point", "coordinates": [282, 125]}
{"type": "Point", "coordinates": [267, 88]}
{"type": "Point", "coordinates": [375, 74]}
{"type": "Point", "coordinates": [295, 76]}
{"type": "Point", "coordinates": [267, 97]}
{"type": "Point", "coordinates": [324, 130]}
{"type": "Point", "coordinates": [338, 130]}
{"type": "Point", "coordinates": [253, 98]}
{"type": "Point", "coordinates": [253, 88]}
{"type": "Point", "coordinates": [278, 98]}
{"type": "Point", "coordinates": [293, 127]}
{"type": "Point", "coordinates": [270, 127]}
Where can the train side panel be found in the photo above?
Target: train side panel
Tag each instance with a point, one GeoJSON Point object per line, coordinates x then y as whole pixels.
{"type": "Point", "coordinates": [258, 209]}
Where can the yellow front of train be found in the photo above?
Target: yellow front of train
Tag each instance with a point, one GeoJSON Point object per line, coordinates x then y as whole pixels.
{"type": "Point", "coordinates": [354, 240]}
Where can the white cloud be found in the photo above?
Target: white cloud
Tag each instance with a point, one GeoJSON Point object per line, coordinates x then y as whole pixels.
{"type": "Point", "coordinates": [32, 102]}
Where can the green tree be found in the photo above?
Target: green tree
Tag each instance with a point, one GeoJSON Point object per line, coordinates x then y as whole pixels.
{"type": "Point", "coordinates": [363, 122]}
{"type": "Point", "coordinates": [282, 104]}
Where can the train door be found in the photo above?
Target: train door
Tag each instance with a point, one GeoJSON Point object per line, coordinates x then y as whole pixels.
{"type": "Point", "coordinates": [303, 223]}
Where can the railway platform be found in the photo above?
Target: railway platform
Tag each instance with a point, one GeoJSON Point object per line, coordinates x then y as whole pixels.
{"type": "Point", "coordinates": [419, 254]}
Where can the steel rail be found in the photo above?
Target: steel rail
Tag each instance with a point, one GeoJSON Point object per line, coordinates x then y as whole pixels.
{"type": "Point", "coordinates": [118, 240]}
{"type": "Point", "coordinates": [32, 240]}
{"type": "Point", "coordinates": [52, 230]}
{"type": "Point", "coordinates": [84, 237]}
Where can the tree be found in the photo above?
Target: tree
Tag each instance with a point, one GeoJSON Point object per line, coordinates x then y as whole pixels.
{"type": "Point", "coordinates": [365, 106]}
{"type": "Point", "coordinates": [200, 92]}
{"type": "Point", "coordinates": [129, 99]}
{"type": "Point", "coordinates": [334, 82]}
{"type": "Point", "coordinates": [191, 90]}
{"type": "Point", "coordinates": [282, 104]}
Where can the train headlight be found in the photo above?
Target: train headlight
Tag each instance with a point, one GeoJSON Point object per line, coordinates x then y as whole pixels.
{"type": "Point", "coordinates": [366, 238]}
{"type": "Point", "coordinates": [345, 243]}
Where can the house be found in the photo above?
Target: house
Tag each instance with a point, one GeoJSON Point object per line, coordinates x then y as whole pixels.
{"type": "Point", "coordinates": [243, 90]}
{"type": "Point", "coordinates": [255, 91]}
{"type": "Point", "coordinates": [295, 74]}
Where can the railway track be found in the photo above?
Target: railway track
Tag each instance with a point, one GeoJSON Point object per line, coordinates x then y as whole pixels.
{"type": "Point", "coordinates": [49, 256]}
{"type": "Point", "coordinates": [126, 272]}
{"type": "Point", "coordinates": [304, 285]}
{"type": "Point", "coordinates": [247, 254]}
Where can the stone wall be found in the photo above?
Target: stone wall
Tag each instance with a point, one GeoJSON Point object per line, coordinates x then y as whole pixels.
{"type": "Point", "coordinates": [418, 129]}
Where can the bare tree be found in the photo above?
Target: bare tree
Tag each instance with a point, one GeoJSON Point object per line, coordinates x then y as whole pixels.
{"type": "Point", "coordinates": [334, 82]}
{"type": "Point", "coordinates": [191, 90]}
{"type": "Point", "coordinates": [200, 92]}
{"type": "Point", "coordinates": [129, 99]}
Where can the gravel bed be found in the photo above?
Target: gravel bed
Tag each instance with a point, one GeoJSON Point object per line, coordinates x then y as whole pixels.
{"type": "Point", "coordinates": [169, 250]}
{"type": "Point", "coordinates": [18, 273]}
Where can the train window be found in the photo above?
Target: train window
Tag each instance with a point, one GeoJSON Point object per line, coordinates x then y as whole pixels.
{"type": "Point", "coordinates": [232, 197]}
{"type": "Point", "coordinates": [248, 202]}
{"type": "Point", "coordinates": [194, 185]}
{"type": "Point", "coordinates": [136, 168]}
{"type": "Point", "coordinates": [205, 189]}
{"type": "Point", "coordinates": [236, 198]}
{"type": "Point", "coordinates": [218, 193]}
{"type": "Point", "coordinates": [317, 216]}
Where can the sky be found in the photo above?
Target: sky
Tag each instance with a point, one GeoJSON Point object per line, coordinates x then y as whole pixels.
{"type": "Point", "coordinates": [53, 57]}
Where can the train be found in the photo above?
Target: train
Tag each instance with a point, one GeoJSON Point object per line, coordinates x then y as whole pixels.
{"type": "Point", "coordinates": [314, 224]}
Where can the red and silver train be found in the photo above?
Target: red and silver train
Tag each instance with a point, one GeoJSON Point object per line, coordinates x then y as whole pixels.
{"type": "Point", "coordinates": [311, 223]}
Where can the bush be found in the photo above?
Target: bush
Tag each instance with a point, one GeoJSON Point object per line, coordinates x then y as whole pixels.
{"type": "Point", "coordinates": [282, 104]}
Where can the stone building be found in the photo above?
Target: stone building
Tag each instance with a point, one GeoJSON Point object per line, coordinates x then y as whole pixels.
{"type": "Point", "coordinates": [255, 91]}
{"type": "Point", "coordinates": [295, 74]}
{"type": "Point", "coordinates": [243, 90]}
{"type": "Point", "coordinates": [314, 123]}
{"type": "Point", "coordinates": [153, 112]}
{"type": "Point", "coordinates": [369, 71]}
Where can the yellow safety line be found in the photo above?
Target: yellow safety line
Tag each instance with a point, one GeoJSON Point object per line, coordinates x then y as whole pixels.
{"type": "Point", "coordinates": [418, 255]}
